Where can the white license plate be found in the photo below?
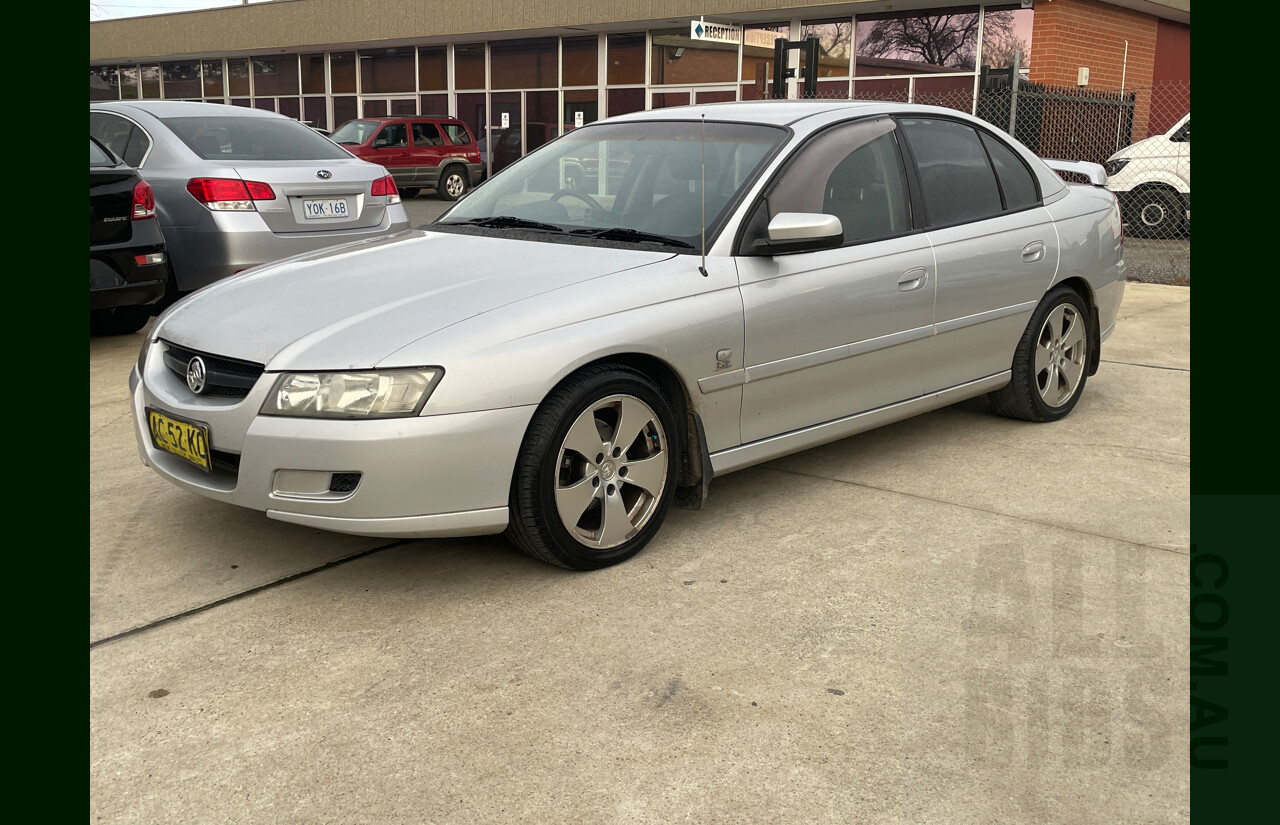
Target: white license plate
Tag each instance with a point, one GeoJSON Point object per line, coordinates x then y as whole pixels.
{"type": "Point", "coordinates": [320, 208]}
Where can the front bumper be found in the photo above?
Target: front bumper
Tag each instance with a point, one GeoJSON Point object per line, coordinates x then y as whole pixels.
{"type": "Point", "coordinates": [430, 476]}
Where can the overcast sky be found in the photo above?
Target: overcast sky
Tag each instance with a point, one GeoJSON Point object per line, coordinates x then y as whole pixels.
{"type": "Point", "coordinates": [108, 9]}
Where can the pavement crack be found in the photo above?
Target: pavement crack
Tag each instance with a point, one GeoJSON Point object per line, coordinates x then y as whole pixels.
{"type": "Point", "coordinates": [235, 597]}
{"type": "Point", "coordinates": [1147, 366]}
{"type": "Point", "coordinates": [1175, 551]}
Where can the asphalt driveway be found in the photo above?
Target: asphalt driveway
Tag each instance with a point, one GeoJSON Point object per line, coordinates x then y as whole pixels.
{"type": "Point", "coordinates": [954, 619]}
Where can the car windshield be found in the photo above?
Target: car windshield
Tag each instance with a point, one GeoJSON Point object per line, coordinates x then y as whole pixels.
{"type": "Point", "coordinates": [252, 138]}
{"type": "Point", "coordinates": [355, 132]}
{"type": "Point", "coordinates": [639, 182]}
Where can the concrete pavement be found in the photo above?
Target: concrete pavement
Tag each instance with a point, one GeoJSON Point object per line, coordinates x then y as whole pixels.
{"type": "Point", "coordinates": [955, 619]}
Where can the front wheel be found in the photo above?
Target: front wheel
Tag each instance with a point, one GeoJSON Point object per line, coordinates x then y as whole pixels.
{"type": "Point", "coordinates": [597, 471]}
{"type": "Point", "coordinates": [454, 183]}
{"type": "Point", "coordinates": [1051, 362]}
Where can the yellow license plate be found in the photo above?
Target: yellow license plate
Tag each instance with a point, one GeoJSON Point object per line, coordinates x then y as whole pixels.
{"type": "Point", "coordinates": [185, 439]}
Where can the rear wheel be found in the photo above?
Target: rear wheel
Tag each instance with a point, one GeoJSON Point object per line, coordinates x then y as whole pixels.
{"type": "Point", "coordinates": [597, 472]}
{"type": "Point", "coordinates": [454, 183]}
{"type": "Point", "coordinates": [1051, 363]}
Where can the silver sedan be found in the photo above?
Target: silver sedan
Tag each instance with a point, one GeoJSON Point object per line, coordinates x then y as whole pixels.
{"type": "Point", "coordinates": [237, 187]}
{"type": "Point", "coordinates": [636, 308]}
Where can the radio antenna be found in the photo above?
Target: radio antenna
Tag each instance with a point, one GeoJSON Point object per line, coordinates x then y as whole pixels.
{"type": "Point", "coordinates": [702, 193]}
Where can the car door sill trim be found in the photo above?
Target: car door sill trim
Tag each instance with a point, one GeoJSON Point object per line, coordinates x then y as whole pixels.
{"type": "Point", "coordinates": [746, 455]}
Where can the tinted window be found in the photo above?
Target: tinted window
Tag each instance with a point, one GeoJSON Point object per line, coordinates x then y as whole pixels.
{"type": "Point", "coordinates": [1016, 182]}
{"type": "Point", "coordinates": [97, 157]}
{"type": "Point", "coordinates": [426, 134]}
{"type": "Point", "coordinates": [251, 138]}
{"type": "Point", "coordinates": [955, 177]}
{"type": "Point", "coordinates": [120, 136]}
{"type": "Point", "coordinates": [457, 134]}
{"type": "Point", "coordinates": [851, 171]}
{"type": "Point", "coordinates": [392, 135]}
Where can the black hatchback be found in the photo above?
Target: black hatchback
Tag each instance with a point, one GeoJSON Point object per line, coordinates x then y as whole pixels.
{"type": "Point", "coordinates": [128, 263]}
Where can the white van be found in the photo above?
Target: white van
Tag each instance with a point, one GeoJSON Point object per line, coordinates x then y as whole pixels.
{"type": "Point", "coordinates": [1152, 179]}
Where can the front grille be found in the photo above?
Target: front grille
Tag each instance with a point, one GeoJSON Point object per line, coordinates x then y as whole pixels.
{"type": "Point", "coordinates": [223, 460]}
{"type": "Point", "coordinates": [224, 377]}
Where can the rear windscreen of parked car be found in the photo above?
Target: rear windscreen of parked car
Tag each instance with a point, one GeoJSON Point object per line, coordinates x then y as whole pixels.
{"type": "Point", "coordinates": [252, 138]}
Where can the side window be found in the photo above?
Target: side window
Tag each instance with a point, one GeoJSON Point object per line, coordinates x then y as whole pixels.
{"type": "Point", "coordinates": [1016, 182]}
{"type": "Point", "coordinates": [121, 136]}
{"type": "Point", "coordinates": [956, 178]}
{"type": "Point", "coordinates": [457, 134]}
{"type": "Point", "coordinates": [426, 134]}
{"type": "Point", "coordinates": [851, 171]}
{"type": "Point", "coordinates": [393, 135]}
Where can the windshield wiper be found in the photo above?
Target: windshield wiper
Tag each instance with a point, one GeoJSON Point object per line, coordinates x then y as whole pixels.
{"type": "Point", "coordinates": [511, 222]}
{"type": "Point", "coordinates": [619, 233]}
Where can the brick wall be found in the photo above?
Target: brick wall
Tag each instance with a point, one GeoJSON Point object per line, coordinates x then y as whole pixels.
{"type": "Point", "coordinates": [1069, 34]}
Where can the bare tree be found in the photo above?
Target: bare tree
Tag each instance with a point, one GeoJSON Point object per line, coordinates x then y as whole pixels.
{"type": "Point", "coordinates": [833, 38]}
{"type": "Point", "coordinates": [941, 40]}
{"type": "Point", "coordinates": [999, 41]}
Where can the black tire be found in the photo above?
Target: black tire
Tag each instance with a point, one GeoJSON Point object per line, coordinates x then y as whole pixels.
{"type": "Point", "coordinates": [1051, 362]}
{"type": "Point", "coordinates": [454, 183]}
{"type": "Point", "coordinates": [405, 194]}
{"type": "Point", "coordinates": [118, 320]}
{"type": "Point", "coordinates": [1155, 213]}
{"type": "Point", "coordinates": [601, 534]}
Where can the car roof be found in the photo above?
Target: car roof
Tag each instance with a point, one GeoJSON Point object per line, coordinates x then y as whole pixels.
{"type": "Point", "coordinates": [183, 108]}
{"type": "Point", "coordinates": [788, 112]}
{"type": "Point", "coordinates": [405, 117]}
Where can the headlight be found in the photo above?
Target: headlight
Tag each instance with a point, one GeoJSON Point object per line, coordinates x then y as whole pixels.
{"type": "Point", "coordinates": [1113, 167]}
{"type": "Point", "coordinates": [381, 394]}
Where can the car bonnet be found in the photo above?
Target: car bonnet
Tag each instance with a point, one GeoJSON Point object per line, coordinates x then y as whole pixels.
{"type": "Point", "coordinates": [350, 306]}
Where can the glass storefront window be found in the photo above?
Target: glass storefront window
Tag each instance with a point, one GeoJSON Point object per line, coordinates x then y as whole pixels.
{"type": "Point", "coordinates": [181, 80]}
{"type": "Point", "coordinates": [104, 83]}
{"type": "Point", "coordinates": [622, 101]}
{"type": "Point", "coordinates": [582, 102]}
{"type": "Point", "coordinates": [524, 64]}
{"type": "Point", "coordinates": [435, 105]}
{"type": "Point", "coordinates": [387, 70]}
{"type": "Point", "coordinates": [315, 111]}
{"type": "Point", "coordinates": [312, 74]}
{"type": "Point", "coordinates": [1005, 30]}
{"type": "Point", "coordinates": [344, 108]}
{"type": "Point", "coordinates": [238, 77]}
{"type": "Point", "coordinates": [625, 53]}
{"type": "Point", "coordinates": [757, 50]}
{"type": "Point", "coordinates": [342, 73]}
{"type": "Point", "coordinates": [580, 61]}
{"type": "Point", "coordinates": [679, 59]}
{"type": "Point", "coordinates": [433, 69]}
{"type": "Point", "coordinates": [468, 66]}
{"type": "Point", "coordinates": [290, 107]}
{"type": "Point", "coordinates": [150, 78]}
{"type": "Point", "coordinates": [835, 44]}
{"type": "Point", "coordinates": [266, 104]}
{"type": "Point", "coordinates": [914, 43]}
{"type": "Point", "coordinates": [275, 75]}
{"type": "Point", "coordinates": [213, 78]}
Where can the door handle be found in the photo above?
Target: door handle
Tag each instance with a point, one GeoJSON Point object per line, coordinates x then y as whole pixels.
{"type": "Point", "coordinates": [1033, 252]}
{"type": "Point", "coordinates": [913, 279]}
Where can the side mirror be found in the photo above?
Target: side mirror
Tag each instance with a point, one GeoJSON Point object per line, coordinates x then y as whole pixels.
{"type": "Point", "coordinates": [380, 143]}
{"type": "Point", "coordinates": [800, 232]}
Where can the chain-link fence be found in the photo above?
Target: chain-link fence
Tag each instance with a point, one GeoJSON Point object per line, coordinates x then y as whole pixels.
{"type": "Point", "coordinates": [1141, 135]}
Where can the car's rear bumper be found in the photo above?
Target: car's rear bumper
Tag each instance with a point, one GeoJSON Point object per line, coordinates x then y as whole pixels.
{"type": "Point", "coordinates": [445, 475]}
{"type": "Point", "coordinates": [230, 242]}
{"type": "Point", "coordinates": [116, 279]}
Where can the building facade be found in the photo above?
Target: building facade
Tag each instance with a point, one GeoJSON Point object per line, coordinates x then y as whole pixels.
{"type": "Point", "coordinates": [535, 69]}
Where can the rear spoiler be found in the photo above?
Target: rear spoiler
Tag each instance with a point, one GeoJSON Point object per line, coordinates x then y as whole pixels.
{"type": "Point", "coordinates": [1093, 171]}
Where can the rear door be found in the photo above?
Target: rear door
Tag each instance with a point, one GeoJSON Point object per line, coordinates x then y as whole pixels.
{"type": "Point", "coordinates": [391, 149]}
{"type": "Point", "coordinates": [429, 149]}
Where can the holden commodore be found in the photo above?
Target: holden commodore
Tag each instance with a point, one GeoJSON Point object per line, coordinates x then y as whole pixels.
{"type": "Point", "coordinates": [636, 308]}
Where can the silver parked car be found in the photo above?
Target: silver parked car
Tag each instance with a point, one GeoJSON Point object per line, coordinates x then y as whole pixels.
{"type": "Point", "coordinates": [237, 187]}
{"type": "Point", "coordinates": [723, 285]}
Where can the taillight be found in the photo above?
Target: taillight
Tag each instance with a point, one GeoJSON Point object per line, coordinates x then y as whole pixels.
{"type": "Point", "coordinates": [144, 201]}
{"type": "Point", "coordinates": [229, 194]}
{"type": "Point", "coordinates": [386, 188]}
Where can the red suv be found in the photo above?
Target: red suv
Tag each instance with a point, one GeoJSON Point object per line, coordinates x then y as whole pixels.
{"type": "Point", "coordinates": [419, 152]}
